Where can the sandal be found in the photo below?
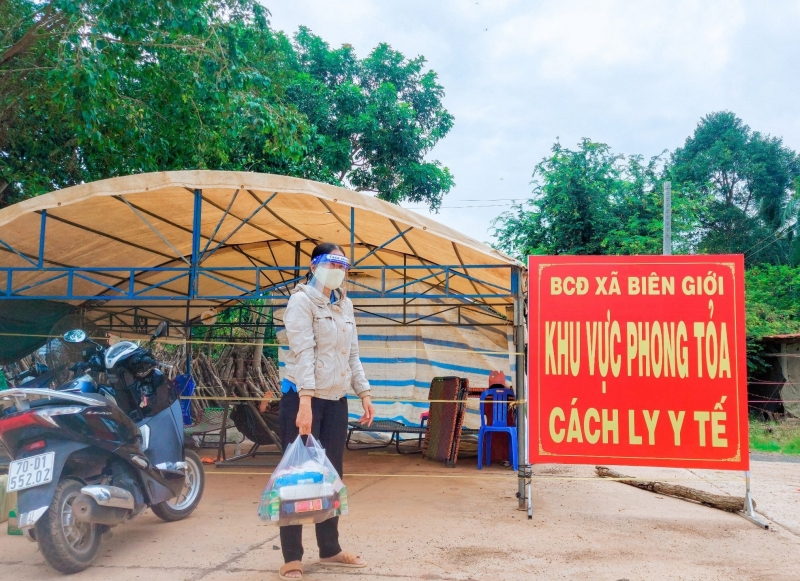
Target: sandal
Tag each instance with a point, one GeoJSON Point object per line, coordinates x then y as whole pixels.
{"type": "Point", "coordinates": [288, 568]}
{"type": "Point", "coordinates": [348, 560]}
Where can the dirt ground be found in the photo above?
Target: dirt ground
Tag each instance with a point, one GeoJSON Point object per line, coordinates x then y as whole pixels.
{"type": "Point", "coordinates": [414, 519]}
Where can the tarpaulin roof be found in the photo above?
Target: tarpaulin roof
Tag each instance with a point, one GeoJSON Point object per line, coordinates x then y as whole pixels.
{"type": "Point", "coordinates": [171, 244]}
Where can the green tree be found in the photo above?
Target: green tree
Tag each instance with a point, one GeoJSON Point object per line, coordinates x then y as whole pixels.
{"type": "Point", "coordinates": [772, 303]}
{"type": "Point", "coordinates": [90, 90]}
{"type": "Point", "coordinates": [376, 119]}
{"type": "Point", "coordinates": [773, 300]}
{"type": "Point", "coordinates": [746, 184]}
{"type": "Point", "coordinates": [591, 201]}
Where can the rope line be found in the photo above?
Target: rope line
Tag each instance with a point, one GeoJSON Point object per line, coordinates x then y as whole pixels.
{"type": "Point", "coordinates": [760, 382]}
{"type": "Point", "coordinates": [169, 341]}
{"type": "Point", "coordinates": [513, 403]}
{"type": "Point", "coordinates": [773, 401]}
{"type": "Point", "coordinates": [509, 477]}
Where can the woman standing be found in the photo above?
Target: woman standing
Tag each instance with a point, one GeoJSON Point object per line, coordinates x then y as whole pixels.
{"type": "Point", "coordinates": [321, 365]}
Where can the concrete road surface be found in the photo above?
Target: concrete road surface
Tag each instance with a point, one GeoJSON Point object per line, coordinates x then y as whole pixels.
{"type": "Point", "coordinates": [415, 519]}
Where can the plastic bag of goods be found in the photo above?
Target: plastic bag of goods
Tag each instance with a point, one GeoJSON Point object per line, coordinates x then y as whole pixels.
{"type": "Point", "coordinates": [304, 488]}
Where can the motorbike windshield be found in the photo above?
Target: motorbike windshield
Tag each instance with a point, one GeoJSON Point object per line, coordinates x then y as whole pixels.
{"type": "Point", "coordinates": [60, 356]}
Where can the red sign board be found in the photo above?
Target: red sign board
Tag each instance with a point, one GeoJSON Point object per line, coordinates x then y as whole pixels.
{"type": "Point", "coordinates": [638, 360]}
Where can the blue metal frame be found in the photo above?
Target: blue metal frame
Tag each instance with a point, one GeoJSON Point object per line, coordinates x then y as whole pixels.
{"type": "Point", "coordinates": [17, 252]}
{"type": "Point", "coordinates": [219, 224]}
{"type": "Point", "coordinates": [123, 282]}
{"type": "Point", "coordinates": [352, 234]}
{"type": "Point", "coordinates": [196, 226]}
{"type": "Point", "coordinates": [196, 229]}
{"type": "Point", "coordinates": [41, 239]}
{"type": "Point", "coordinates": [374, 250]}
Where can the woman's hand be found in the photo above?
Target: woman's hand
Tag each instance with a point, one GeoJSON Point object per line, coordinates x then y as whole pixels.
{"type": "Point", "coordinates": [303, 421]}
{"type": "Point", "coordinates": [369, 411]}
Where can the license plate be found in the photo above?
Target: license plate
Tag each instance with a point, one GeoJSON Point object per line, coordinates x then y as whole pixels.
{"type": "Point", "coordinates": [30, 472]}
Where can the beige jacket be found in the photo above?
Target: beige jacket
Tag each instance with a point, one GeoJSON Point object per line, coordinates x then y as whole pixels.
{"type": "Point", "coordinates": [323, 345]}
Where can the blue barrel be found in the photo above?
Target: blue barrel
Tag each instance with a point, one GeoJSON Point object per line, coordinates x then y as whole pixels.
{"type": "Point", "coordinates": [184, 384]}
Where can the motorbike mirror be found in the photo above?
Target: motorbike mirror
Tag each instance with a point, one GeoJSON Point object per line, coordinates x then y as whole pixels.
{"type": "Point", "coordinates": [161, 330]}
{"type": "Point", "coordinates": [75, 336]}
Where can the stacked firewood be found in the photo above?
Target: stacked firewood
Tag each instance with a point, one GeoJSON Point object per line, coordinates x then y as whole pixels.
{"type": "Point", "coordinates": [234, 373]}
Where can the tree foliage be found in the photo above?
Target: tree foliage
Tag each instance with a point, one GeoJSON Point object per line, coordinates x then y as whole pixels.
{"type": "Point", "coordinates": [135, 86]}
{"type": "Point", "coordinates": [90, 90]}
{"type": "Point", "coordinates": [772, 303]}
{"type": "Point", "coordinates": [590, 201]}
{"type": "Point", "coordinates": [747, 184]}
{"type": "Point", "coordinates": [734, 190]}
{"type": "Point", "coordinates": [376, 119]}
{"type": "Point", "coordinates": [773, 300]}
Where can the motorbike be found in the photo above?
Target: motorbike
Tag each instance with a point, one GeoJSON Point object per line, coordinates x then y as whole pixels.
{"type": "Point", "coordinates": [87, 456]}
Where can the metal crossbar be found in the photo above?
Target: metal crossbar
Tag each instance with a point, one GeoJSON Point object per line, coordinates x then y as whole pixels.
{"type": "Point", "coordinates": [235, 230]}
{"type": "Point", "coordinates": [377, 248]}
{"type": "Point", "coordinates": [18, 253]}
{"type": "Point", "coordinates": [132, 287]}
{"type": "Point", "coordinates": [219, 225]}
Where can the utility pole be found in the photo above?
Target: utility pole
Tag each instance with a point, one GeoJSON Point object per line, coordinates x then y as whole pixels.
{"type": "Point", "coordinates": [667, 218]}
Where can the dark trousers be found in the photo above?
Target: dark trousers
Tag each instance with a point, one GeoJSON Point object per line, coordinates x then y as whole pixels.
{"type": "Point", "coordinates": [329, 427]}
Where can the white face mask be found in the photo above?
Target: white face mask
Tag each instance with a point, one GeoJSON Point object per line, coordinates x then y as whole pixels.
{"type": "Point", "coordinates": [329, 277]}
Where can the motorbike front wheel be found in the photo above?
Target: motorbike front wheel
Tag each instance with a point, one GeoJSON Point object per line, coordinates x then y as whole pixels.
{"type": "Point", "coordinates": [68, 545]}
{"type": "Point", "coordinates": [184, 504]}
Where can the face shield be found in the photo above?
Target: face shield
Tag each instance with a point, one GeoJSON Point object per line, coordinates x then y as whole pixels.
{"type": "Point", "coordinates": [329, 273]}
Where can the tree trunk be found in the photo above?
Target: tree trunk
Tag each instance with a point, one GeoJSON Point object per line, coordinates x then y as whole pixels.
{"type": "Point", "coordinates": [727, 503]}
{"type": "Point", "coordinates": [256, 318]}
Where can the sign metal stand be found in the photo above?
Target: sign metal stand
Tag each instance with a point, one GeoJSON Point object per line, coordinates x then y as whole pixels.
{"type": "Point", "coordinates": [748, 511]}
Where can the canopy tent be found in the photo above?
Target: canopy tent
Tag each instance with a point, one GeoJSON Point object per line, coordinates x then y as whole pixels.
{"type": "Point", "coordinates": [130, 251]}
{"type": "Point", "coordinates": [171, 244]}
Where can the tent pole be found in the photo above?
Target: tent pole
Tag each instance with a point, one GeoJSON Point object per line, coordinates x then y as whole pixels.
{"type": "Point", "coordinates": [352, 235]}
{"type": "Point", "coordinates": [193, 273]}
{"type": "Point", "coordinates": [196, 226]}
{"type": "Point", "coordinates": [296, 260]}
{"type": "Point", "coordinates": [187, 332]}
{"type": "Point", "coordinates": [42, 229]}
{"type": "Point", "coordinates": [520, 386]}
{"type": "Point", "coordinates": [405, 282]}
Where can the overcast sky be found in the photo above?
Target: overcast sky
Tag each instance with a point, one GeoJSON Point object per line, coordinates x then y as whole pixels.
{"type": "Point", "coordinates": [518, 74]}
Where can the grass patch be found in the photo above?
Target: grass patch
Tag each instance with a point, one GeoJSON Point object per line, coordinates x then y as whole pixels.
{"type": "Point", "coordinates": [780, 437]}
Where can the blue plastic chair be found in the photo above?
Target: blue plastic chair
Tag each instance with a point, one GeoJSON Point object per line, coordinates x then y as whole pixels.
{"type": "Point", "coordinates": [499, 424]}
